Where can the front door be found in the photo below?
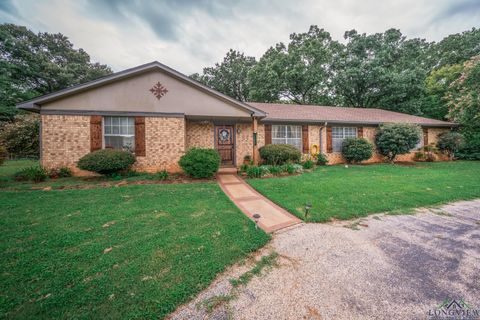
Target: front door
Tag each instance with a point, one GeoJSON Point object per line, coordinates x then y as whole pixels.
{"type": "Point", "coordinates": [225, 143]}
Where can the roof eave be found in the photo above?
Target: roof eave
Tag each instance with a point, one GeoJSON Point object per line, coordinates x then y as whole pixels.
{"type": "Point", "coordinates": [29, 106]}
{"type": "Point", "coordinates": [446, 124]}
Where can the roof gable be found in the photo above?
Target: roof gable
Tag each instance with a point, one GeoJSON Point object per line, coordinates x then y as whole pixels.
{"type": "Point", "coordinates": [197, 98]}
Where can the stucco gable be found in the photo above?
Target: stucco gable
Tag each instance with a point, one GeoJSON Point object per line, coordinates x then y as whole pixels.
{"type": "Point", "coordinates": [129, 91]}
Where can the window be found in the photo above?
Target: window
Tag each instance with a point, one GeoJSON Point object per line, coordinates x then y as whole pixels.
{"type": "Point", "coordinates": [119, 133]}
{"type": "Point", "coordinates": [339, 134]}
{"type": "Point", "coordinates": [287, 134]}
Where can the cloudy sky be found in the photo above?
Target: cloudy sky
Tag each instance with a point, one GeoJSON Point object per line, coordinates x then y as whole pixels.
{"type": "Point", "coordinates": [191, 34]}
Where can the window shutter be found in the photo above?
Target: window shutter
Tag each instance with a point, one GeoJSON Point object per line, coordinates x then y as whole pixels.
{"type": "Point", "coordinates": [360, 132]}
{"type": "Point", "coordinates": [329, 140]}
{"type": "Point", "coordinates": [95, 133]}
{"type": "Point", "coordinates": [268, 134]}
{"type": "Point", "coordinates": [425, 136]}
{"type": "Point", "coordinates": [140, 147]}
{"type": "Point", "coordinates": [306, 147]}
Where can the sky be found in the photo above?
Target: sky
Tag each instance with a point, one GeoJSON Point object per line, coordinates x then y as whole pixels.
{"type": "Point", "coordinates": [189, 35]}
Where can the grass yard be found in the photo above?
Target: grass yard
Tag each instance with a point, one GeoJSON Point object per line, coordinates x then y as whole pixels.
{"type": "Point", "coordinates": [345, 193]}
{"type": "Point", "coordinates": [136, 251]}
{"type": "Point", "coordinates": [10, 167]}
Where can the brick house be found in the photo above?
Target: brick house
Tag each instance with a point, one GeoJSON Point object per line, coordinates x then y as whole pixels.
{"type": "Point", "coordinates": [159, 113]}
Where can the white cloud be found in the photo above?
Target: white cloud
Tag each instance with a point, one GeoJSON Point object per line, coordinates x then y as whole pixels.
{"type": "Point", "coordinates": [201, 32]}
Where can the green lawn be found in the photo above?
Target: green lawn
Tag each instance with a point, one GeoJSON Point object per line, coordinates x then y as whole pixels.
{"type": "Point", "coordinates": [10, 167]}
{"type": "Point", "coordinates": [345, 193]}
{"type": "Point", "coordinates": [120, 252]}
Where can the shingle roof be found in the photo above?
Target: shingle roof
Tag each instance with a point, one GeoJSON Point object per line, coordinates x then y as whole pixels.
{"type": "Point", "coordinates": [311, 113]}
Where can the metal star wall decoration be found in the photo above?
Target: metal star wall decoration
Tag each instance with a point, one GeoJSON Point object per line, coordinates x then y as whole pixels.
{"type": "Point", "coordinates": [159, 90]}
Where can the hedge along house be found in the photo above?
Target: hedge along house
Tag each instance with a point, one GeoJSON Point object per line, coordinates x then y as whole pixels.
{"type": "Point", "coordinates": [159, 113]}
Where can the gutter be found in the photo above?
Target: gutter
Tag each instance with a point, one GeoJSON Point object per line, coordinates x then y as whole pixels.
{"type": "Point", "coordinates": [270, 120]}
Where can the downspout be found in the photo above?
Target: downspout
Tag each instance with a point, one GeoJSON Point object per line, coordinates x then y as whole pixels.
{"type": "Point", "coordinates": [321, 136]}
{"type": "Point", "coordinates": [254, 137]}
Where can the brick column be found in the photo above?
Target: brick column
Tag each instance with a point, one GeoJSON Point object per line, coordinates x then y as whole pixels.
{"type": "Point", "coordinates": [255, 154]}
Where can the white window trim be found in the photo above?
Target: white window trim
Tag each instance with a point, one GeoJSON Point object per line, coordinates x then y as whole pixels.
{"type": "Point", "coordinates": [115, 135]}
{"type": "Point", "coordinates": [343, 136]}
{"type": "Point", "coordinates": [286, 137]}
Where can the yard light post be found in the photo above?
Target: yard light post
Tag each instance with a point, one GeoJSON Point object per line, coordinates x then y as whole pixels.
{"type": "Point", "coordinates": [256, 217]}
{"type": "Point", "coordinates": [308, 206]}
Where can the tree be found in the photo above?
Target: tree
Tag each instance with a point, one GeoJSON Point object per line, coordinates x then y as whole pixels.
{"type": "Point", "coordinates": [393, 139]}
{"type": "Point", "coordinates": [437, 85]}
{"type": "Point", "coordinates": [463, 101]}
{"type": "Point", "coordinates": [450, 143]}
{"type": "Point", "coordinates": [463, 98]}
{"type": "Point", "coordinates": [35, 64]}
{"type": "Point", "coordinates": [298, 72]}
{"type": "Point", "coordinates": [21, 136]}
{"type": "Point", "coordinates": [380, 70]}
{"type": "Point", "coordinates": [230, 76]}
{"type": "Point", "coordinates": [455, 48]}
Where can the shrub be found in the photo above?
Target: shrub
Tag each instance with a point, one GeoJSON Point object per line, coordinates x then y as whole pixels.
{"type": "Point", "coordinates": [107, 161]}
{"type": "Point", "coordinates": [422, 156]}
{"type": "Point", "coordinates": [34, 173]}
{"type": "Point", "coordinates": [419, 156]}
{"type": "Point", "coordinates": [322, 159]}
{"type": "Point", "coordinates": [3, 154]}
{"type": "Point", "coordinates": [21, 137]}
{"type": "Point", "coordinates": [277, 154]}
{"type": "Point", "coordinates": [450, 143]}
{"type": "Point", "coordinates": [356, 150]}
{"type": "Point", "coordinates": [243, 167]}
{"type": "Point", "coordinates": [308, 164]}
{"type": "Point", "coordinates": [297, 168]}
{"type": "Point", "coordinates": [470, 150]}
{"type": "Point", "coordinates": [289, 168]}
{"type": "Point", "coordinates": [200, 163]}
{"type": "Point", "coordinates": [393, 139]}
{"type": "Point", "coordinates": [63, 172]}
{"type": "Point", "coordinates": [161, 175]}
{"type": "Point", "coordinates": [275, 170]}
{"type": "Point", "coordinates": [256, 172]}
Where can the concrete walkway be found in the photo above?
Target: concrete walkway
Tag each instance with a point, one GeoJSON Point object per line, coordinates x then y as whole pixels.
{"type": "Point", "coordinates": [272, 217]}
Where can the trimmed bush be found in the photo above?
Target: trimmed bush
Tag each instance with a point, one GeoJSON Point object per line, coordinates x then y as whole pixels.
{"type": "Point", "coordinates": [278, 154]}
{"type": "Point", "coordinates": [322, 159]}
{"type": "Point", "coordinates": [107, 161]}
{"type": "Point", "coordinates": [308, 164]}
{"type": "Point", "coordinates": [200, 163]}
{"type": "Point", "coordinates": [393, 139]}
{"type": "Point", "coordinates": [450, 143]}
{"type": "Point", "coordinates": [356, 150]}
{"type": "Point", "coordinates": [34, 173]}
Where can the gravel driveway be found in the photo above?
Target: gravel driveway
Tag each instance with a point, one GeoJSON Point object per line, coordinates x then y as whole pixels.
{"type": "Point", "coordinates": [380, 267]}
